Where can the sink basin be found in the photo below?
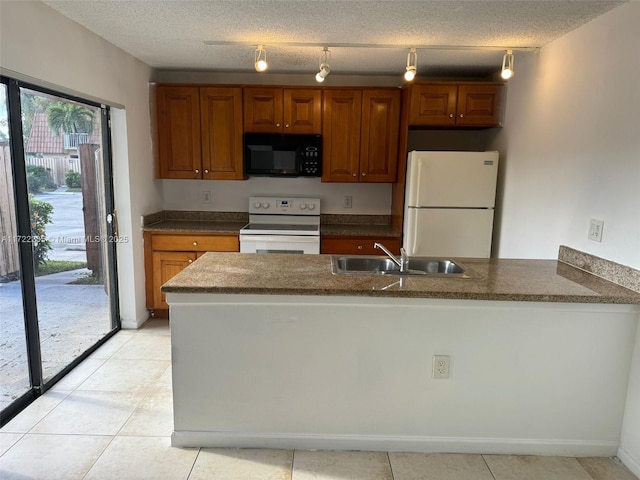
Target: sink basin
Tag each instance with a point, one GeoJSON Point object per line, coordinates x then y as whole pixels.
{"type": "Point", "coordinates": [361, 264]}
{"type": "Point", "coordinates": [435, 265]}
{"type": "Point", "coordinates": [372, 265]}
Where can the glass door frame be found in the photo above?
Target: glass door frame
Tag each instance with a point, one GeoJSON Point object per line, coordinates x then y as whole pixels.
{"type": "Point", "coordinates": [25, 251]}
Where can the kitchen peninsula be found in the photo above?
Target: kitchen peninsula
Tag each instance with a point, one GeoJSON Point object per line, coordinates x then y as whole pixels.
{"type": "Point", "coordinates": [276, 351]}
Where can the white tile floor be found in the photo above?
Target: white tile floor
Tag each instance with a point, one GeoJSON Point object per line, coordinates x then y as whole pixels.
{"type": "Point", "coordinates": [111, 418]}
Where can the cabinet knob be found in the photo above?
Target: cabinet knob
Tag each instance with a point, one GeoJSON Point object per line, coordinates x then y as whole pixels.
{"type": "Point", "coordinates": [462, 115]}
{"type": "Point", "coordinates": [355, 174]}
{"type": "Point", "coordinates": [359, 247]}
{"type": "Point", "coordinates": [286, 125]}
{"type": "Point", "coordinates": [195, 244]}
{"type": "Point", "coordinates": [277, 124]}
{"type": "Point", "coordinates": [206, 171]}
{"type": "Point", "coordinates": [364, 174]}
{"type": "Point", "coordinates": [197, 171]}
{"type": "Point", "coordinates": [190, 261]}
{"type": "Point", "coordinates": [451, 115]}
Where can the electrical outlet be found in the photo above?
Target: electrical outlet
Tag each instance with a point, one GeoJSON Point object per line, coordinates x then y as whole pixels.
{"type": "Point", "coordinates": [205, 196]}
{"type": "Point", "coordinates": [348, 201]}
{"type": "Point", "coordinates": [595, 230]}
{"type": "Point", "coordinates": [441, 366]}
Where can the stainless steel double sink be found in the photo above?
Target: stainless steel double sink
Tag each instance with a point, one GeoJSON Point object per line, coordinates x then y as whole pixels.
{"type": "Point", "coordinates": [378, 265]}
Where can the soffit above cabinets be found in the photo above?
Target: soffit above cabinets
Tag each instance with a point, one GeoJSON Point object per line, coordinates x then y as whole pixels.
{"type": "Point", "coordinates": [171, 34]}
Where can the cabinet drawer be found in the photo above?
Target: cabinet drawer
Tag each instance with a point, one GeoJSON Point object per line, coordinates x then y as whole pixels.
{"type": "Point", "coordinates": [358, 245]}
{"type": "Point", "coordinates": [196, 243]}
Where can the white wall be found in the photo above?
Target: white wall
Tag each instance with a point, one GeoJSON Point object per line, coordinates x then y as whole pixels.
{"type": "Point", "coordinates": [629, 450]}
{"type": "Point", "coordinates": [570, 151]}
{"type": "Point", "coordinates": [227, 196]}
{"type": "Point", "coordinates": [571, 144]}
{"type": "Point", "coordinates": [40, 45]}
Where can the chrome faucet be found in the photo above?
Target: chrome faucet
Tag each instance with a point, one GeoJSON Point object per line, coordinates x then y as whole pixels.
{"type": "Point", "coordinates": [403, 263]}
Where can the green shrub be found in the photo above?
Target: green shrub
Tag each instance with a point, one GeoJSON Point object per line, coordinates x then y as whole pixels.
{"type": "Point", "coordinates": [72, 179]}
{"type": "Point", "coordinates": [40, 213]}
{"type": "Point", "coordinates": [39, 179]}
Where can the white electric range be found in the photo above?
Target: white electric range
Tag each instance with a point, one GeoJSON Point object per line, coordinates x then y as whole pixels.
{"type": "Point", "coordinates": [282, 225]}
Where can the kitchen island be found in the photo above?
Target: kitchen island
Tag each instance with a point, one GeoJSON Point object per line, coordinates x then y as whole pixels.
{"type": "Point", "coordinates": [275, 351]}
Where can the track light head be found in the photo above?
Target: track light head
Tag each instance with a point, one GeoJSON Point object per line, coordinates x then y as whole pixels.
{"type": "Point", "coordinates": [412, 65]}
{"type": "Point", "coordinates": [322, 74]}
{"type": "Point", "coordinates": [261, 59]}
{"type": "Point", "coordinates": [507, 65]}
{"type": "Point", "coordinates": [324, 65]}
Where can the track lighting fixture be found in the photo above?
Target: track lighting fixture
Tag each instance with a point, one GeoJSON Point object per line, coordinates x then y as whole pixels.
{"type": "Point", "coordinates": [324, 65]}
{"type": "Point", "coordinates": [412, 65]}
{"type": "Point", "coordinates": [507, 65]}
{"type": "Point", "coordinates": [261, 59]}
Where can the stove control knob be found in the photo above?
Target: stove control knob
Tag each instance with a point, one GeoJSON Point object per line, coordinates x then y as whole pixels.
{"type": "Point", "coordinates": [257, 205]}
{"type": "Point", "coordinates": [303, 206]}
{"type": "Point", "coordinates": [265, 204]}
{"type": "Point", "coordinates": [312, 206]}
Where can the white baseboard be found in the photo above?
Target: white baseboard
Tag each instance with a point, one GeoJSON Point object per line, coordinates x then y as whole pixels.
{"type": "Point", "coordinates": [388, 443]}
{"type": "Point", "coordinates": [633, 464]}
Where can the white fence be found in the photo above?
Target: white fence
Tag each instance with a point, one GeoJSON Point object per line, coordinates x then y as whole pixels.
{"type": "Point", "coordinates": [58, 166]}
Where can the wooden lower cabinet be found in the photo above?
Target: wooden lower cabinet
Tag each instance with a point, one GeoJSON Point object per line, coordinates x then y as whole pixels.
{"type": "Point", "coordinates": [166, 255]}
{"type": "Point", "coordinates": [343, 245]}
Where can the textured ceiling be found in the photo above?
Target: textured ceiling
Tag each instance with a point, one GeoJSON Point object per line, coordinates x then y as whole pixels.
{"type": "Point", "coordinates": [171, 34]}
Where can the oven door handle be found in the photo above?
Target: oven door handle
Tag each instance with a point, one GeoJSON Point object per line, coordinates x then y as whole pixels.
{"type": "Point", "coordinates": [281, 238]}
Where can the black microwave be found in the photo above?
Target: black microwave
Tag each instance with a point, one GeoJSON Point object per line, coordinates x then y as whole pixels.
{"type": "Point", "coordinates": [286, 155]}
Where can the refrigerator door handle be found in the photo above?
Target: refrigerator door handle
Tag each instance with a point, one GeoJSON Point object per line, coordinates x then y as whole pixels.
{"type": "Point", "coordinates": [412, 233]}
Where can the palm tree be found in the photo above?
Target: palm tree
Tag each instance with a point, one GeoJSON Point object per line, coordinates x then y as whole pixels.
{"type": "Point", "coordinates": [69, 118]}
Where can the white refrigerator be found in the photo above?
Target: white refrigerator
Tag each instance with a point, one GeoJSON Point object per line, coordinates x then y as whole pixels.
{"type": "Point", "coordinates": [449, 202]}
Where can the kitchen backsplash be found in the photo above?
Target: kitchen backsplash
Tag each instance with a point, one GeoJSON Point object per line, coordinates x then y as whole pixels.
{"type": "Point", "coordinates": [233, 196]}
{"type": "Point", "coordinates": [614, 272]}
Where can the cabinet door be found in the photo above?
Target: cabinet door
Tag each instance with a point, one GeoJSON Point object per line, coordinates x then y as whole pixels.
{"type": "Point", "coordinates": [302, 111]}
{"type": "Point", "coordinates": [166, 265]}
{"type": "Point", "coordinates": [433, 104]}
{"type": "Point", "coordinates": [221, 121]}
{"type": "Point", "coordinates": [263, 110]}
{"type": "Point", "coordinates": [340, 245]}
{"type": "Point", "coordinates": [380, 130]}
{"type": "Point", "coordinates": [479, 105]}
{"type": "Point", "coordinates": [341, 118]}
{"type": "Point", "coordinates": [179, 153]}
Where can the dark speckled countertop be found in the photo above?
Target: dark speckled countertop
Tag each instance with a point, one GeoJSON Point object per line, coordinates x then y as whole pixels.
{"type": "Point", "coordinates": [497, 279]}
{"type": "Point", "coordinates": [229, 223]}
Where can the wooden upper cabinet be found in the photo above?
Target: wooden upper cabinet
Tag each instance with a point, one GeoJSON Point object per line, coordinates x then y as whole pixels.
{"type": "Point", "coordinates": [302, 111]}
{"type": "Point", "coordinates": [360, 135]}
{"type": "Point", "coordinates": [433, 104]}
{"type": "Point", "coordinates": [179, 152]}
{"type": "Point", "coordinates": [479, 104]}
{"type": "Point", "coordinates": [455, 104]}
{"type": "Point", "coordinates": [263, 110]}
{"type": "Point", "coordinates": [221, 122]}
{"type": "Point", "coordinates": [341, 121]}
{"type": "Point", "coordinates": [379, 140]}
{"type": "Point", "coordinates": [278, 110]}
{"type": "Point", "coordinates": [199, 132]}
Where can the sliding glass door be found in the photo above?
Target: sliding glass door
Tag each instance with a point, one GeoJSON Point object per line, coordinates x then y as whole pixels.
{"type": "Point", "coordinates": [65, 235]}
{"type": "Point", "coordinates": [14, 365]}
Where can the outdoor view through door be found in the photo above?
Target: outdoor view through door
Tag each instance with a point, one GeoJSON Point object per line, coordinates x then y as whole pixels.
{"type": "Point", "coordinates": [59, 170]}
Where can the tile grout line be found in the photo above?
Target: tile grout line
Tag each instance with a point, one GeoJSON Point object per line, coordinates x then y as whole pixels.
{"type": "Point", "coordinates": [293, 460]}
{"type": "Point", "coordinates": [393, 477]}
{"type": "Point", "coordinates": [194, 463]}
{"type": "Point", "coordinates": [99, 456]}
{"type": "Point", "coordinates": [488, 467]}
